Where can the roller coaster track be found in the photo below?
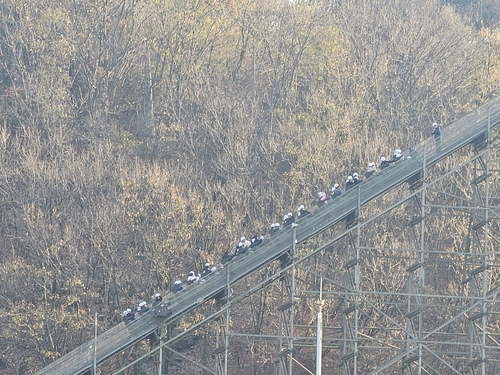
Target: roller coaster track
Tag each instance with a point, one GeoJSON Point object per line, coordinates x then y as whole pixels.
{"type": "Point", "coordinates": [473, 128]}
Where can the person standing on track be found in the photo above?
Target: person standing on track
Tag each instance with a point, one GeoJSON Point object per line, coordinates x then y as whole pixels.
{"type": "Point", "coordinates": [436, 132]}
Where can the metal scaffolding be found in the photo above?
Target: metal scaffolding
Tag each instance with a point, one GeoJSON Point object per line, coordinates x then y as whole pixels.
{"type": "Point", "coordinates": [419, 327]}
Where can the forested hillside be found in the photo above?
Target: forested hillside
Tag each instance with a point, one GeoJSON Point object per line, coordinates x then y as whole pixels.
{"type": "Point", "coordinates": [139, 139]}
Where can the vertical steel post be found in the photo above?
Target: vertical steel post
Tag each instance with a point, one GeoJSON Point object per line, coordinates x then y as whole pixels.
{"type": "Point", "coordinates": [319, 333]}
{"type": "Point", "coordinates": [95, 344]}
{"type": "Point", "coordinates": [226, 342]}
{"type": "Point", "coordinates": [160, 356]}
{"type": "Point", "coordinates": [292, 296]}
{"type": "Point", "coordinates": [485, 256]}
{"type": "Point", "coordinates": [356, 287]}
{"type": "Point", "coordinates": [421, 271]}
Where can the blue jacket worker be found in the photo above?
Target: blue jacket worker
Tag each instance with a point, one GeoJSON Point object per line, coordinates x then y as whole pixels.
{"type": "Point", "coordinates": [356, 179]}
{"type": "Point", "coordinates": [336, 192]}
{"type": "Point", "coordinates": [370, 170]}
{"type": "Point", "coordinates": [256, 241]}
{"type": "Point", "coordinates": [178, 286]}
{"type": "Point", "coordinates": [436, 130]}
{"type": "Point", "coordinates": [206, 270]}
{"type": "Point", "coordinates": [128, 316]}
{"type": "Point", "coordinates": [142, 308]}
{"type": "Point", "coordinates": [384, 163]}
{"type": "Point", "coordinates": [288, 220]}
{"type": "Point", "coordinates": [227, 257]}
{"type": "Point", "coordinates": [398, 155]}
{"type": "Point", "coordinates": [349, 183]}
{"type": "Point", "coordinates": [301, 211]}
{"type": "Point", "coordinates": [158, 299]}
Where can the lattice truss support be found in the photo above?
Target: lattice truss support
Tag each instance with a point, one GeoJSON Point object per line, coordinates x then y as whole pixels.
{"type": "Point", "coordinates": [410, 281]}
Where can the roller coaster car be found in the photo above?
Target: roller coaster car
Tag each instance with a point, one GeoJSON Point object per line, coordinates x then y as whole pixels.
{"type": "Point", "coordinates": [162, 312]}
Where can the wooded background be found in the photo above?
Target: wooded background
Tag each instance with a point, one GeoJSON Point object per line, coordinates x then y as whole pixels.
{"type": "Point", "coordinates": [140, 139]}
